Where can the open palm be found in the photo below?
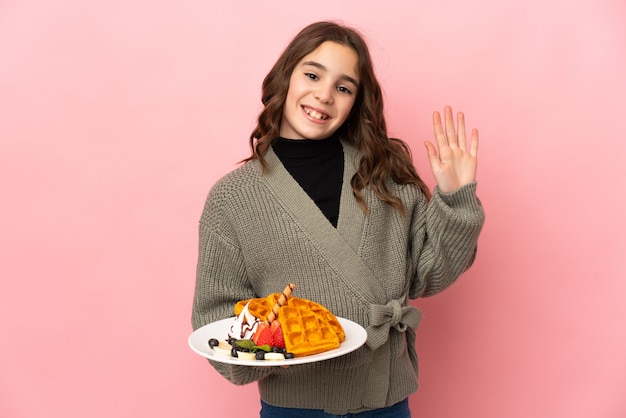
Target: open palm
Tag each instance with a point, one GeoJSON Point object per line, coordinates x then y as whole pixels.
{"type": "Point", "coordinates": [452, 163]}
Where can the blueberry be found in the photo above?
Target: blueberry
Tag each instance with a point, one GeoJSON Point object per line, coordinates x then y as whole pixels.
{"type": "Point", "coordinates": [213, 342]}
{"type": "Point", "coordinates": [277, 350]}
{"type": "Point", "coordinates": [232, 341]}
{"type": "Point", "coordinates": [289, 355]}
{"type": "Point", "coordinates": [233, 352]}
{"type": "Point", "coordinates": [260, 355]}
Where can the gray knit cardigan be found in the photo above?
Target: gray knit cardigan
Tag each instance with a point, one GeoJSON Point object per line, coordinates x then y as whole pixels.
{"type": "Point", "coordinates": [260, 230]}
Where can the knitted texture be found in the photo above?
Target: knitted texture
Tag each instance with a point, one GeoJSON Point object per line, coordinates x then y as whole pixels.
{"type": "Point", "coordinates": [259, 231]}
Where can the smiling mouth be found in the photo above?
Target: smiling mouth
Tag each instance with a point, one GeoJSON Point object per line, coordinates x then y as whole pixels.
{"type": "Point", "coordinates": [315, 114]}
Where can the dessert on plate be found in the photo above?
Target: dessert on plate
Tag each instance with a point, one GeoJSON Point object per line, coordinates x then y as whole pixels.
{"type": "Point", "coordinates": [280, 326]}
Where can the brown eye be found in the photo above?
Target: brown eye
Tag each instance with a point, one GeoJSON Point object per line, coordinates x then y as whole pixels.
{"type": "Point", "coordinates": [344, 89]}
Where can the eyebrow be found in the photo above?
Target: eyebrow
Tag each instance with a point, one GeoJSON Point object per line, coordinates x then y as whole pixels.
{"type": "Point", "coordinates": [323, 68]}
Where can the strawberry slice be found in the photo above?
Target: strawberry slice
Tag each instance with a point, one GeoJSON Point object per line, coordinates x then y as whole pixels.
{"type": "Point", "coordinates": [263, 335]}
{"type": "Point", "coordinates": [278, 339]}
{"type": "Point", "coordinates": [258, 331]}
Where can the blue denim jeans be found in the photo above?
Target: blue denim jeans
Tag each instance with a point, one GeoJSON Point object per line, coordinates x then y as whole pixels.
{"type": "Point", "coordinates": [399, 410]}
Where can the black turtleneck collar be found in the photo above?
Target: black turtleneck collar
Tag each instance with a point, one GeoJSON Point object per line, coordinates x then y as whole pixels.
{"type": "Point", "coordinates": [317, 165]}
{"type": "Point", "coordinates": [306, 148]}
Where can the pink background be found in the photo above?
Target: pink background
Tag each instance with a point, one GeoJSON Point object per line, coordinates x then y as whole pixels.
{"type": "Point", "coordinates": [117, 117]}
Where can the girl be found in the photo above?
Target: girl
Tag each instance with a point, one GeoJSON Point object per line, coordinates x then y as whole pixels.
{"type": "Point", "coordinates": [329, 202]}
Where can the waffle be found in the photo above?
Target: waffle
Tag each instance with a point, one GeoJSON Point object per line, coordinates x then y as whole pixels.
{"type": "Point", "coordinates": [259, 307]}
{"type": "Point", "coordinates": [308, 327]}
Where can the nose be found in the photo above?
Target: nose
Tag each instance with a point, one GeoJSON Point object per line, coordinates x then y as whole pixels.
{"type": "Point", "coordinates": [324, 94]}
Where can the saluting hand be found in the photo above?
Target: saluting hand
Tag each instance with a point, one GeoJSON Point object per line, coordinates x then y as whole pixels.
{"type": "Point", "coordinates": [454, 165]}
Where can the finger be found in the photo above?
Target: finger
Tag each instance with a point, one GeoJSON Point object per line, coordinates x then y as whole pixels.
{"type": "Point", "coordinates": [474, 143]}
{"type": "Point", "coordinates": [450, 132]}
{"type": "Point", "coordinates": [460, 124]}
{"type": "Point", "coordinates": [440, 135]}
{"type": "Point", "coordinates": [432, 154]}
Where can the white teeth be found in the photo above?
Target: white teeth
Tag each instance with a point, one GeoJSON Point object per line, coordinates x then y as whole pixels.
{"type": "Point", "coordinates": [315, 114]}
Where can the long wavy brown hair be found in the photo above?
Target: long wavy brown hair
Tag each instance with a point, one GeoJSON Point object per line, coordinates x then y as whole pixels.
{"type": "Point", "coordinates": [382, 158]}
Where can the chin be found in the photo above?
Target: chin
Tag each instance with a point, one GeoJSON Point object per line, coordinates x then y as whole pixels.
{"type": "Point", "coordinates": [321, 134]}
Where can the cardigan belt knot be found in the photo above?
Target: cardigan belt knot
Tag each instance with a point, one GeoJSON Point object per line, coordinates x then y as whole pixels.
{"type": "Point", "coordinates": [392, 315]}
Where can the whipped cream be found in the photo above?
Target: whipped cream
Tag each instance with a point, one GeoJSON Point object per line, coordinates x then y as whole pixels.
{"type": "Point", "coordinates": [245, 325]}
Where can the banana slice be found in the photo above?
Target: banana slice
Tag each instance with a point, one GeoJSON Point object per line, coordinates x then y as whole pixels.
{"type": "Point", "coordinates": [274, 356]}
{"type": "Point", "coordinates": [223, 349]}
{"type": "Point", "coordinates": [245, 355]}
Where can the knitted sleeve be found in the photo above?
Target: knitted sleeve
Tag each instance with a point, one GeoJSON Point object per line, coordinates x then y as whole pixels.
{"type": "Point", "coordinates": [221, 279]}
{"type": "Point", "coordinates": [449, 228]}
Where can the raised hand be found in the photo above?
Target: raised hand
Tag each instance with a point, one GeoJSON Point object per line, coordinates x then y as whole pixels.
{"type": "Point", "coordinates": [454, 165]}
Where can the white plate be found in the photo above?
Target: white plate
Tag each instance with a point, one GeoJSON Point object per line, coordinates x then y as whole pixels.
{"type": "Point", "coordinates": [199, 342]}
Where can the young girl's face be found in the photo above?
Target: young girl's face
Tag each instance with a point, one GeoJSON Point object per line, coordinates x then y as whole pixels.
{"type": "Point", "coordinates": [322, 89]}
